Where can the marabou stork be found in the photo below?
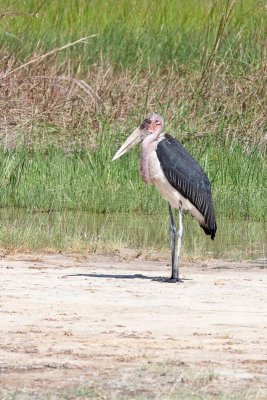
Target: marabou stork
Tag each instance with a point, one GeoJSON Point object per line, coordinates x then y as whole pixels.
{"type": "Point", "coordinates": [177, 176]}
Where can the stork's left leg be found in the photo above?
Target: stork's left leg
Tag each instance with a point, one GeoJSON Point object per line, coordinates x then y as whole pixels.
{"type": "Point", "coordinates": [179, 243]}
{"type": "Point", "coordinates": [175, 257]}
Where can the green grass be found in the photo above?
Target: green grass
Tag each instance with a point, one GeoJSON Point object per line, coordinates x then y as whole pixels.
{"type": "Point", "coordinates": [61, 191]}
{"type": "Point", "coordinates": [112, 233]}
{"type": "Point", "coordinates": [87, 180]}
{"type": "Point", "coordinates": [142, 33]}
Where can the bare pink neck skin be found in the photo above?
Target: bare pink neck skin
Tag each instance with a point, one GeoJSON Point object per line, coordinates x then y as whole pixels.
{"type": "Point", "coordinates": [148, 145]}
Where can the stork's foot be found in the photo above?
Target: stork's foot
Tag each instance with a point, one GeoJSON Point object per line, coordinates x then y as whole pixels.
{"type": "Point", "coordinates": [173, 280]}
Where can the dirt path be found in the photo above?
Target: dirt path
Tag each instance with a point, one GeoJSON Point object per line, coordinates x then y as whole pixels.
{"type": "Point", "coordinates": [111, 325]}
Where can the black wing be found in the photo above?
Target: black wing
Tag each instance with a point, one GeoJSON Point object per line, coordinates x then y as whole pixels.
{"type": "Point", "coordinates": [186, 175]}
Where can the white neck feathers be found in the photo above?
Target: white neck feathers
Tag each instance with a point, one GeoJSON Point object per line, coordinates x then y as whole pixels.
{"type": "Point", "coordinates": [148, 145]}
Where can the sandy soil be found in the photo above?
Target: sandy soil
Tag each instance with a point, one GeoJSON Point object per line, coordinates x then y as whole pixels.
{"type": "Point", "coordinates": [112, 324]}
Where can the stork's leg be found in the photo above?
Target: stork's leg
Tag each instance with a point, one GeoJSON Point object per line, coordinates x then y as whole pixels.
{"type": "Point", "coordinates": [179, 245]}
{"type": "Point", "coordinates": [173, 237]}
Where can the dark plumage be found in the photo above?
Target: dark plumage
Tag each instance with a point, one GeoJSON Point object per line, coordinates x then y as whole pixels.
{"type": "Point", "coordinates": [188, 178]}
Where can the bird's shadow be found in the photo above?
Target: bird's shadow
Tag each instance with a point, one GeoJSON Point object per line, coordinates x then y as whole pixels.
{"type": "Point", "coordinates": [127, 276]}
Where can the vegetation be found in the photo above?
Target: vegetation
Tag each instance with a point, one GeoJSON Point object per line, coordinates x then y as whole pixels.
{"type": "Point", "coordinates": [133, 34]}
{"type": "Point", "coordinates": [66, 108]}
{"type": "Point", "coordinates": [86, 180]}
{"type": "Point", "coordinates": [166, 381]}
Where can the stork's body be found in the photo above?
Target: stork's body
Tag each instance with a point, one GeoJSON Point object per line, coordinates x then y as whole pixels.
{"type": "Point", "coordinates": [177, 176]}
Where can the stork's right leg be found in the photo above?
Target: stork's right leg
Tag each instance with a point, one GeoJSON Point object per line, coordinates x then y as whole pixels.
{"type": "Point", "coordinates": [173, 241]}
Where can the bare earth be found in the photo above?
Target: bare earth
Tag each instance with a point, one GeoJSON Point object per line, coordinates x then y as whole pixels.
{"type": "Point", "coordinates": [111, 326]}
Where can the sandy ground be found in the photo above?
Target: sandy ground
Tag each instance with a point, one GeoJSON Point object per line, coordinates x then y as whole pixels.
{"type": "Point", "coordinates": [111, 324]}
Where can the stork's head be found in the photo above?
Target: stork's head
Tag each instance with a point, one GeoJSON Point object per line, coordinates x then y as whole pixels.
{"type": "Point", "coordinates": [152, 125]}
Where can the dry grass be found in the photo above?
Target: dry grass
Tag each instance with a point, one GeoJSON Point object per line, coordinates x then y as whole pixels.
{"type": "Point", "coordinates": [54, 95]}
{"type": "Point", "coordinates": [159, 381]}
{"type": "Point", "coordinates": [201, 64]}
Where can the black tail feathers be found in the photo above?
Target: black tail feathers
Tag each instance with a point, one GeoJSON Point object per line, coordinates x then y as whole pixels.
{"type": "Point", "coordinates": [210, 230]}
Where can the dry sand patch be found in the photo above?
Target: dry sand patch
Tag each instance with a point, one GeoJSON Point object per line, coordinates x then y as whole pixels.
{"type": "Point", "coordinates": [114, 325]}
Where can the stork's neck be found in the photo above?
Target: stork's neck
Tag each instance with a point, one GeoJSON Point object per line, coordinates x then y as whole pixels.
{"type": "Point", "coordinates": [148, 145]}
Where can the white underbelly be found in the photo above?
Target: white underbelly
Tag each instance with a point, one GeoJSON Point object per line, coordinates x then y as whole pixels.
{"type": "Point", "coordinates": [167, 191]}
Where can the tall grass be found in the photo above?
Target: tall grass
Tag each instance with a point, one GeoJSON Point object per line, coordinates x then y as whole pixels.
{"type": "Point", "coordinates": [200, 63]}
{"type": "Point", "coordinates": [50, 179]}
{"type": "Point", "coordinates": [132, 33]}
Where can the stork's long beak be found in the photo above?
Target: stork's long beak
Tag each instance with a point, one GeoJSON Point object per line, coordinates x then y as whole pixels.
{"type": "Point", "coordinates": [132, 140]}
